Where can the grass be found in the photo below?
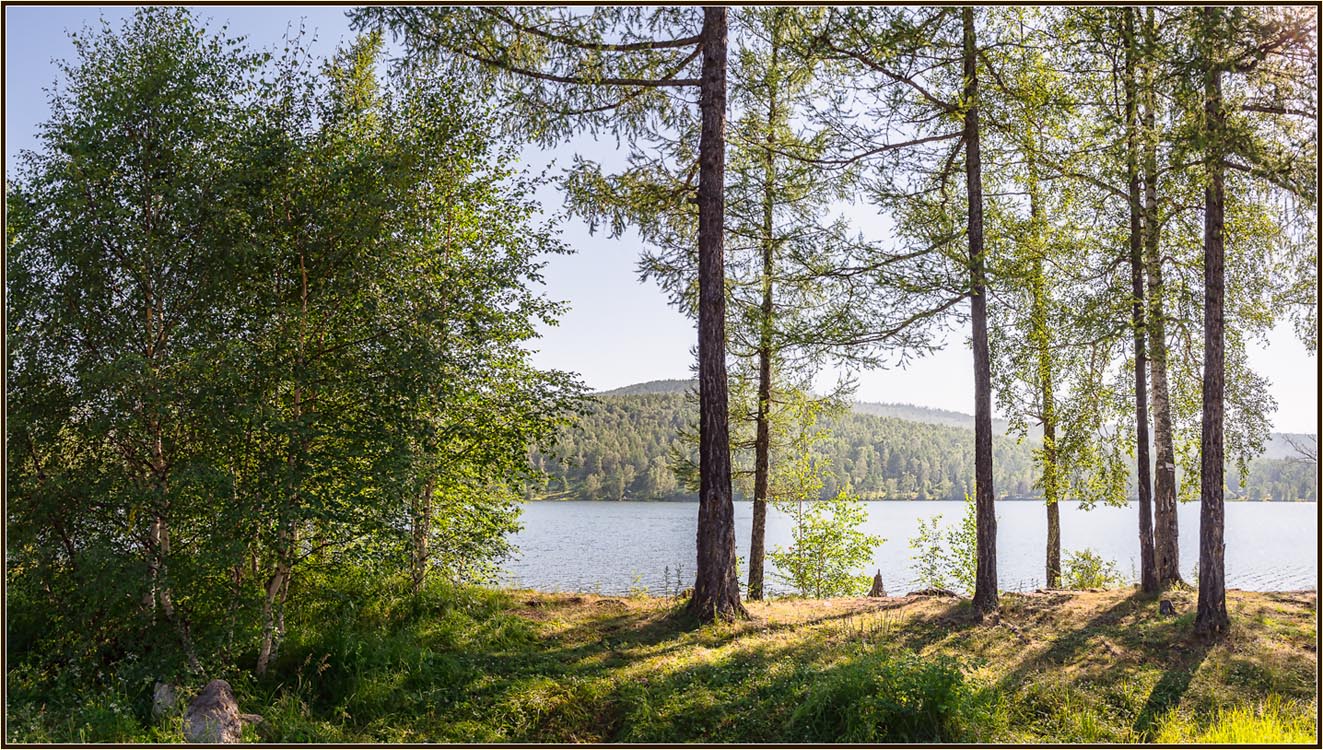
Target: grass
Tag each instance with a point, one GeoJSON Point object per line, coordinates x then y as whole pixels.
{"type": "Point", "coordinates": [484, 666]}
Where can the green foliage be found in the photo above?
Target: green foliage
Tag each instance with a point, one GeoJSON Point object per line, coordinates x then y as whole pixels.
{"type": "Point", "coordinates": [265, 317]}
{"type": "Point", "coordinates": [947, 560]}
{"type": "Point", "coordinates": [887, 697]}
{"type": "Point", "coordinates": [828, 548]}
{"type": "Point", "coordinates": [1086, 569]}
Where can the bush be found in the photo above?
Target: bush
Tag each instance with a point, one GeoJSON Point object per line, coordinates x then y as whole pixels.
{"type": "Point", "coordinates": [885, 697]}
{"type": "Point", "coordinates": [828, 550]}
{"type": "Point", "coordinates": [950, 560]}
{"type": "Point", "coordinates": [1087, 569]}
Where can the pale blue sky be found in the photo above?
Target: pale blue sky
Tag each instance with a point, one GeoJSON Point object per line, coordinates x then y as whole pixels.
{"type": "Point", "coordinates": [618, 330]}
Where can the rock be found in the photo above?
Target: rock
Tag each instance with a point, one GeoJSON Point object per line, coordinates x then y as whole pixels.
{"type": "Point", "coordinates": [878, 589]}
{"type": "Point", "coordinates": [213, 717]}
{"type": "Point", "coordinates": [165, 700]}
{"type": "Point", "coordinates": [1166, 608]}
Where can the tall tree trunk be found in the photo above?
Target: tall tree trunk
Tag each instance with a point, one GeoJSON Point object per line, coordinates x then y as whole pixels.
{"type": "Point", "coordinates": [1211, 617]}
{"type": "Point", "coordinates": [159, 589]}
{"type": "Point", "coordinates": [422, 534]}
{"type": "Point", "coordinates": [985, 581]}
{"type": "Point", "coordinates": [1166, 528]}
{"type": "Point", "coordinates": [762, 441]}
{"type": "Point", "coordinates": [716, 586]}
{"type": "Point", "coordinates": [277, 586]}
{"type": "Point", "coordinates": [1148, 575]}
{"type": "Point", "coordinates": [1042, 338]}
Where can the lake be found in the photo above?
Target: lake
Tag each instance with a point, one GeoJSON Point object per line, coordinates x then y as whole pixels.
{"type": "Point", "coordinates": [611, 547]}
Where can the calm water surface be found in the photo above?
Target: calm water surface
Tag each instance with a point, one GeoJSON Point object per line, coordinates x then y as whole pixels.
{"type": "Point", "coordinates": [611, 547]}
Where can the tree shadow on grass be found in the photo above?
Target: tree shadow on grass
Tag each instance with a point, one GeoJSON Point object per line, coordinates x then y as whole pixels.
{"type": "Point", "coordinates": [675, 630]}
{"type": "Point", "coordinates": [1069, 645]}
{"type": "Point", "coordinates": [1171, 687]}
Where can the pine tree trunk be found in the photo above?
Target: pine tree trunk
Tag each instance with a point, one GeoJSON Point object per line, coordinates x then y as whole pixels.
{"type": "Point", "coordinates": [1166, 527]}
{"type": "Point", "coordinates": [762, 441]}
{"type": "Point", "coordinates": [1211, 617]}
{"type": "Point", "coordinates": [1147, 571]}
{"type": "Point", "coordinates": [985, 582]}
{"type": "Point", "coordinates": [716, 586]}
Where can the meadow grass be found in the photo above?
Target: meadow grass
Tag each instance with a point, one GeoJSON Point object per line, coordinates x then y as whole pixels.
{"type": "Point", "coordinates": [370, 662]}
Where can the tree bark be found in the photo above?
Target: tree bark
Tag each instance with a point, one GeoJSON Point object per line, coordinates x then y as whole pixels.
{"type": "Point", "coordinates": [985, 582]}
{"type": "Point", "coordinates": [277, 587]}
{"type": "Point", "coordinates": [273, 601]}
{"type": "Point", "coordinates": [1147, 571]}
{"type": "Point", "coordinates": [422, 534]}
{"type": "Point", "coordinates": [1211, 617]}
{"type": "Point", "coordinates": [1042, 338]}
{"type": "Point", "coordinates": [762, 441]}
{"type": "Point", "coordinates": [1166, 528]}
{"type": "Point", "coordinates": [716, 586]}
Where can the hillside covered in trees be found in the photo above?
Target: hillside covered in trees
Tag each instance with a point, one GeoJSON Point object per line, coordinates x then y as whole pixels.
{"type": "Point", "coordinates": [625, 448]}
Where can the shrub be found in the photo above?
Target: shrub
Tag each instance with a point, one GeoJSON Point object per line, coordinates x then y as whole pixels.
{"type": "Point", "coordinates": [886, 697]}
{"type": "Point", "coordinates": [1087, 569]}
{"type": "Point", "coordinates": [828, 550]}
{"type": "Point", "coordinates": [950, 560]}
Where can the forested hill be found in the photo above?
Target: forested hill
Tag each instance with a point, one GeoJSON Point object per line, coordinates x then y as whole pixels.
{"type": "Point", "coordinates": [908, 412]}
{"type": "Point", "coordinates": [926, 414]}
{"type": "Point", "coordinates": [651, 387]}
{"type": "Point", "coordinates": [622, 451]}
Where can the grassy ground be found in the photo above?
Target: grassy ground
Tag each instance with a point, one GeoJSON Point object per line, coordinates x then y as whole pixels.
{"type": "Point", "coordinates": [484, 666]}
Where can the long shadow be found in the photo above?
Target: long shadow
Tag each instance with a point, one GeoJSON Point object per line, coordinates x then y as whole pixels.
{"type": "Point", "coordinates": [1169, 690]}
{"type": "Point", "coordinates": [1069, 645]}
{"type": "Point", "coordinates": [632, 630]}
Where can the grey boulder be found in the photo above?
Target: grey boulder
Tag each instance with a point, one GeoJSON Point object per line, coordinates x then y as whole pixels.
{"type": "Point", "coordinates": [213, 717]}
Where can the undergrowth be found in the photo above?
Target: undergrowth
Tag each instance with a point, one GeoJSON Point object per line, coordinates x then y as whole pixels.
{"type": "Point", "coordinates": [373, 662]}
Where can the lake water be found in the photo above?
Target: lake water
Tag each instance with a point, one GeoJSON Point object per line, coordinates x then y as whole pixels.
{"type": "Point", "coordinates": [609, 547]}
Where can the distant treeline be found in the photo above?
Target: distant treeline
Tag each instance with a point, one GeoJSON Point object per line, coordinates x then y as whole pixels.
{"type": "Point", "coordinates": [622, 451]}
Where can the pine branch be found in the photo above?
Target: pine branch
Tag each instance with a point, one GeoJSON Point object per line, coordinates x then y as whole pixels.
{"type": "Point", "coordinates": [594, 46]}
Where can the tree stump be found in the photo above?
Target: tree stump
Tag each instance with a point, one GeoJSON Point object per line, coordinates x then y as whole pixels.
{"type": "Point", "coordinates": [878, 589]}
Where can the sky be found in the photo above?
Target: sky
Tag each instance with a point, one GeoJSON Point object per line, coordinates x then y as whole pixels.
{"type": "Point", "coordinates": [618, 330]}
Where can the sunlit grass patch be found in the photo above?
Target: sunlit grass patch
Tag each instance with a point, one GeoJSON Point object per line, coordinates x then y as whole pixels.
{"type": "Point", "coordinates": [1271, 721]}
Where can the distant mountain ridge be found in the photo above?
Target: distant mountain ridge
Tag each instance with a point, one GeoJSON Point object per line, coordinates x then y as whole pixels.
{"type": "Point", "coordinates": [651, 387]}
{"type": "Point", "coordinates": [908, 412]}
{"type": "Point", "coordinates": [1278, 446]}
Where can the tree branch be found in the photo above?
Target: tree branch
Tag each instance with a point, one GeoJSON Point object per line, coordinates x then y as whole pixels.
{"type": "Point", "coordinates": [876, 66]}
{"type": "Point", "coordinates": [595, 46]}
